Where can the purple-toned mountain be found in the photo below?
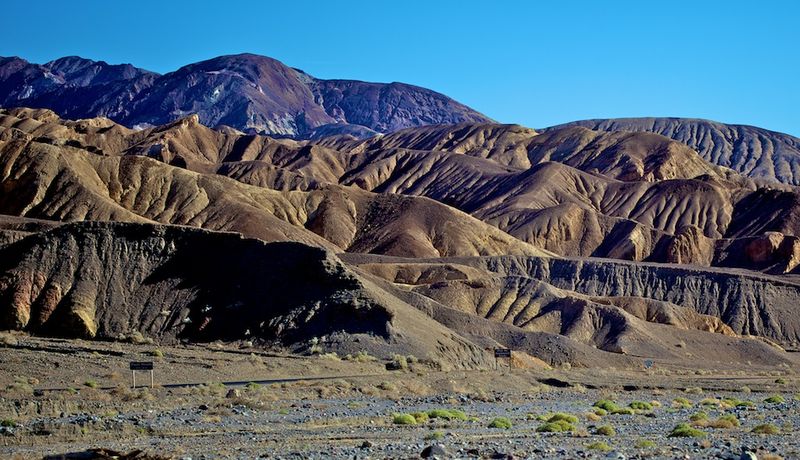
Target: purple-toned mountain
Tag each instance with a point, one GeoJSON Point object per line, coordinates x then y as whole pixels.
{"type": "Point", "coordinates": [248, 92]}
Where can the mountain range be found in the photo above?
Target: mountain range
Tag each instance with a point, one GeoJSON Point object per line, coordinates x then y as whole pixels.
{"type": "Point", "coordinates": [250, 93]}
{"type": "Point", "coordinates": [395, 220]}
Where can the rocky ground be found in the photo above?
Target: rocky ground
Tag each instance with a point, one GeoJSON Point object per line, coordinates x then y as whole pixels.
{"type": "Point", "coordinates": [364, 411]}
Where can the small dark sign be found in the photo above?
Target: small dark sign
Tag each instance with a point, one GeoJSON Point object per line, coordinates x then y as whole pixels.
{"type": "Point", "coordinates": [141, 365]}
{"type": "Point", "coordinates": [502, 353]}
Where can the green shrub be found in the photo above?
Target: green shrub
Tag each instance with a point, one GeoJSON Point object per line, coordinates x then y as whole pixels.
{"type": "Point", "coordinates": [556, 427]}
{"type": "Point", "coordinates": [447, 414]}
{"type": "Point", "coordinates": [420, 417]}
{"type": "Point", "coordinates": [599, 445]}
{"type": "Point", "coordinates": [645, 444]}
{"type": "Point", "coordinates": [157, 353]}
{"type": "Point", "coordinates": [698, 416]}
{"type": "Point", "coordinates": [600, 412]}
{"type": "Point", "coordinates": [501, 422]}
{"type": "Point", "coordinates": [727, 421]}
{"type": "Point", "coordinates": [606, 430]}
{"type": "Point", "coordinates": [404, 419]}
{"type": "Point", "coordinates": [683, 430]}
{"type": "Point", "coordinates": [8, 423]}
{"type": "Point", "coordinates": [607, 405]}
{"type": "Point", "coordinates": [733, 402]}
{"type": "Point", "coordinates": [710, 402]}
{"type": "Point", "coordinates": [780, 381]}
{"type": "Point", "coordinates": [560, 416]}
{"type": "Point", "coordinates": [623, 411]}
{"type": "Point", "coordinates": [766, 428]}
{"type": "Point", "coordinates": [681, 403]}
{"type": "Point", "coordinates": [641, 405]}
{"type": "Point", "coordinates": [90, 383]}
{"type": "Point", "coordinates": [777, 399]}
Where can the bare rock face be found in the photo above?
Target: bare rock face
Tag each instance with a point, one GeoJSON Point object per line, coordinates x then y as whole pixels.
{"type": "Point", "coordinates": [506, 292]}
{"type": "Point", "coordinates": [752, 151]}
{"type": "Point", "coordinates": [750, 303]}
{"type": "Point", "coordinates": [689, 246]}
{"type": "Point", "coordinates": [92, 291]}
{"type": "Point", "coordinates": [104, 280]}
{"type": "Point", "coordinates": [764, 248]}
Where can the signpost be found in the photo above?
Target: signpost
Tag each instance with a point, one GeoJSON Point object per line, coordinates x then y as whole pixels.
{"type": "Point", "coordinates": [502, 353]}
{"type": "Point", "coordinates": [141, 366]}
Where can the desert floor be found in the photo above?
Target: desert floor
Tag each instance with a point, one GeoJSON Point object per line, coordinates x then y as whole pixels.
{"type": "Point", "coordinates": [66, 396]}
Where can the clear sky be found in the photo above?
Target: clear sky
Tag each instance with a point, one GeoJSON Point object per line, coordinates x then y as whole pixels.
{"type": "Point", "coordinates": [529, 62]}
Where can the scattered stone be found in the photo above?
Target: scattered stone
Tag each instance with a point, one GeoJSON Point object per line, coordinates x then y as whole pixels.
{"type": "Point", "coordinates": [434, 451]}
{"type": "Point", "coordinates": [393, 366]}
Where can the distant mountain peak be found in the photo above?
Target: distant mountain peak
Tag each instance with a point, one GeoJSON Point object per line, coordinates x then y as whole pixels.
{"type": "Point", "coordinates": [245, 91]}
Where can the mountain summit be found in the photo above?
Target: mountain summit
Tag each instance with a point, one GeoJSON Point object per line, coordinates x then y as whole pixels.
{"type": "Point", "coordinates": [248, 92]}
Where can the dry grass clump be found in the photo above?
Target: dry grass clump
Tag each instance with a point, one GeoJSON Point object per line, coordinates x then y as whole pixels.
{"type": "Point", "coordinates": [256, 360]}
{"type": "Point", "coordinates": [766, 428]}
{"type": "Point", "coordinates": [605, 430]}
{"type": "Point", "coordinates": [210, 390]}
{"type": "Point", "coordinates": [556, 427]}
{"type": "Point", "coordinates": [728, 403]}
{"type": "Point", "coordinates": [776, 399]}
{"type": "Point", "coordinates": [21, 386]}
{"type": "Point", "coordinates": [127, 394]}
{"type": "Point", "coordinates": [681, 403]}
{"type": "Point", "coordinates": [360, 357]}
{"type": "Point", "coordinates": [501, 422]}
{"type": "Point", "coordinates": [137, 338]}
{"type": "Point", "coordinates": [599, 445]}
{"type": "Point", "coordinates": [725, 422]}
{"type": "Point", "coordinates": [8, 339]}
{"type": "Point", "coordinates": [592, 417]}
{"type": "Point", "coordinates": [433, 436]}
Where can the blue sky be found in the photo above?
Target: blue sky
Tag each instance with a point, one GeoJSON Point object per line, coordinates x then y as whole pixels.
{"type": "Point", "coordinates": [527, 62]}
